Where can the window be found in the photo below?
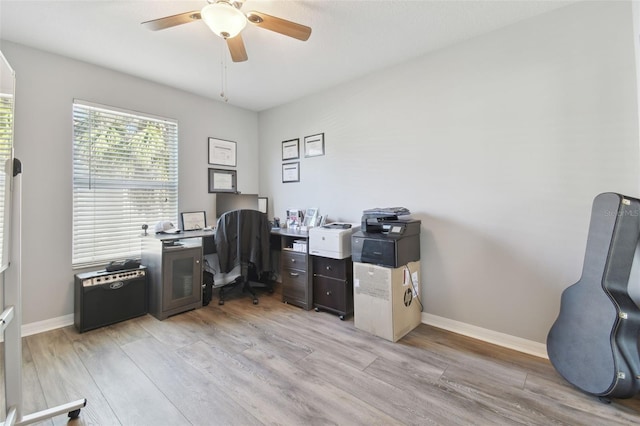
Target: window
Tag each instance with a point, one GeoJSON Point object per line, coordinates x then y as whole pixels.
{"type": "Point", "coordinates": [125, 174]}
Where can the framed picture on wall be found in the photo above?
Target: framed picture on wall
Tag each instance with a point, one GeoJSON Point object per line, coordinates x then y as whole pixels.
{"type": "Point", "coordinates": [221, 180]}
{"type": "Point", "coordinates": [314, 145]}
{"type": "Point", "coordinates": [291, 149]}
{"type": "Point", "coordinates": [291, 172]}
{"type": "Point", "coordinates": [222, 153]}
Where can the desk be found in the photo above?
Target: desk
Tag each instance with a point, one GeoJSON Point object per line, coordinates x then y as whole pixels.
{"type": "Point", "coordinates": [295, 268]}
{"type": "Point", "coordinates": [174, 263]}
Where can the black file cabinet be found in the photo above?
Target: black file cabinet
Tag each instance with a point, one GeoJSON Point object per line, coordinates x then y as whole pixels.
{"type": "Point", "coordinates": [333, 285]}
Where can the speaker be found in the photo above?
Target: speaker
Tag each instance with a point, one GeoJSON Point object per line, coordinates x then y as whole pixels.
{"type": "Point", "coordinates": [104, 298]}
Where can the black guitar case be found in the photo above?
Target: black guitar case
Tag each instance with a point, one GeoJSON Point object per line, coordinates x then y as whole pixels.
{"type": "Point", "coordinates": [594, 341]}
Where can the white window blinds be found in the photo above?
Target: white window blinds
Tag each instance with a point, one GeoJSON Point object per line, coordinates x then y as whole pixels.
{"type": "Point", "coordinates": [6, 137]}
{"type": "Point", "coordinates": [125, 174]}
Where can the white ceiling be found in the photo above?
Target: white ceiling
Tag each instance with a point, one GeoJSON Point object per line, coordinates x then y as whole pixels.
{"type": "Point", "coordinates": [349, 39]}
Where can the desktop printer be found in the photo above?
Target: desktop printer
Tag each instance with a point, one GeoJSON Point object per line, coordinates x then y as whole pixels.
{"type": "Point", "coordinates": [332, 240]}
{"type": "Point", "coordinates": [386, 240]}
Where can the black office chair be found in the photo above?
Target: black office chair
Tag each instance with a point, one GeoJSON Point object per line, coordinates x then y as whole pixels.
{"type": "Point", "coordinates": [242, 245]}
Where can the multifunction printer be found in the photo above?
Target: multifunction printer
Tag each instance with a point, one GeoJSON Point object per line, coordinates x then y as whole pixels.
{"type": "Point", "coordinates": [332, 240]}
{"type": "Point", "coordinates": [385, 239]}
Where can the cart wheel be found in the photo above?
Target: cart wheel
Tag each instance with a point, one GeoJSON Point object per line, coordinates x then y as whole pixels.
{"type": "Point", "coordinates": [220, 302]}
{"type": "Point", "coordinates": [341, 317]}
{"type": "Point", "coordinates": [74, 414]}
{"type": "Point", "coordinates": [255, 301]}
{"type": "Point", "coordinates": [317, 309]}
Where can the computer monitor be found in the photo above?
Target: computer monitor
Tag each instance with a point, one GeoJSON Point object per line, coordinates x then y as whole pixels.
{"type": "Point", "coordinates": [227, 202]}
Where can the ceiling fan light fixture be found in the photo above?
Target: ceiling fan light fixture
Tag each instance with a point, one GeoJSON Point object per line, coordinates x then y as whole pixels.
{"type": "Point", "coordinates": [224, 19]}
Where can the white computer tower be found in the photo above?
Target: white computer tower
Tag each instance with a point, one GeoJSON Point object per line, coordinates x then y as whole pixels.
{"type": "Point", "coordinates": [386, 300]}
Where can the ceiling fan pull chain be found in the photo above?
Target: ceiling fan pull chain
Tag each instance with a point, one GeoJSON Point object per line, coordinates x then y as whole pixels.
{"type": "Point", "coordinates": [223, 75]}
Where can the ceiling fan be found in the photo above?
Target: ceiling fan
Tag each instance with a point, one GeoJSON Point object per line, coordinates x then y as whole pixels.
{"type": "Point", "coordinates": [225, 18]}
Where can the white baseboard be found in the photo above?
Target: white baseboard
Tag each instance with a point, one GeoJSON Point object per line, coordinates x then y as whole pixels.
{"type": "Point", "coordinates": [46, 325]}
{"type": "Point", "coordinates": [490, 336]}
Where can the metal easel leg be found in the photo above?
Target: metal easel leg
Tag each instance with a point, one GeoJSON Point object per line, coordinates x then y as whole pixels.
{"type": "Point", "coordinates": [72, 408]}
{"type": "Point", "coordinates": [11, 323]}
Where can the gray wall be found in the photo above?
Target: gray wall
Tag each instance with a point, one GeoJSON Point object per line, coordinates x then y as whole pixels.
{"type": "Point", "coordinates": [498, 144]}
{"type": "Point", "coordinates": [46, 85]}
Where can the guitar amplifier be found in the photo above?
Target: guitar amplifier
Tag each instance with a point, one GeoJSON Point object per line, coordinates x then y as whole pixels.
{"type": "Point", "coordinates": [104, 298]}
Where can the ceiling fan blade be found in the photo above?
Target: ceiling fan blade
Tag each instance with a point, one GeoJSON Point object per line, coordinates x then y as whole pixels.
{"type": "Point", "coordinates": [236, 48]}
{"type": "Point", "coordinates": [279, 25]}
{"type": "Point", "coordinates": [172, 21]}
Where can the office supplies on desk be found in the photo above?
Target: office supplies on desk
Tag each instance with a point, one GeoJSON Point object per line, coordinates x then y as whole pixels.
{"type": "Point", "coordinates": [295, 218]}
{"type": "Point", "coordinates": [311, 217]}
{"type": "Point", "coordinates": [192, 221]}
{"type": "Point", "coordinates": [166, 227]}
{"type": "Point", "coordinates": [300, 246]}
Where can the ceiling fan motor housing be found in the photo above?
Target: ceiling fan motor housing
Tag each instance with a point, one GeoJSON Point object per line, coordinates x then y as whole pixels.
{"type": "Point", "coordinates": [224, 19]}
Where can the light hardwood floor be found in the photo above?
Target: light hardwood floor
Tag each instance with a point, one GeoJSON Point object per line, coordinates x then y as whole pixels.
{"type": "Point", "coordinates": [273, 363]}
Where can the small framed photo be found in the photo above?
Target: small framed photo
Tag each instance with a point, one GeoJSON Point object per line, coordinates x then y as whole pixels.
{"type": "Point", "coordinates": [291, 172]}
{"type": "Point", "coordinates": [314, 145]}
{"type": "Point", "coordinates": [222, 153]}
{"type": "Point", "coordinates": [221, 180]}
{"type": "Point", "coordinates": [291, 149]}
{"type": "Point", "coordinates": [192, 221]}
{"type": "Point", "coordinates": [310, 217]}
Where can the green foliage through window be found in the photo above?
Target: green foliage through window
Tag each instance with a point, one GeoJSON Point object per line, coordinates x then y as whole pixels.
{"type": "Point", "coordinates": [125, 174]}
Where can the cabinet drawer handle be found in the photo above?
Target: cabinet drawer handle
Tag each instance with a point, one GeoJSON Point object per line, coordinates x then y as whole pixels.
{"type": "Point", "coordinates": [328, 268]}
{"type": "Point", "coordinates": [293, 261]}
{"type": "Point", "coordinates": [294, 274]}
{"type": "Point", "coordinates": [328, 293]}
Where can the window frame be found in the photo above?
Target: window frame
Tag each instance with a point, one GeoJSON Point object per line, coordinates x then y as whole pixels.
{"type": "Point", "coordinates": [7, 101]}
{"type": "Point", "coordinates": [125, 174]}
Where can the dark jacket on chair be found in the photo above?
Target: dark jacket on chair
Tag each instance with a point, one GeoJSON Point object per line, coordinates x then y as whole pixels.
{"type": "Point", "coordinates": [242, 236]}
